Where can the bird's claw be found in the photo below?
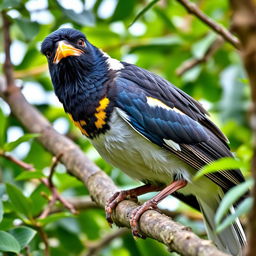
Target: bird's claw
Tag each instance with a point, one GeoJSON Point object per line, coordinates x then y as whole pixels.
{"type": "Point", "coordinates": [136, 214]}
{"type": "Point", "coordinates": [110, 206]}
{"type": "Point", "coordinates": [114, 200]}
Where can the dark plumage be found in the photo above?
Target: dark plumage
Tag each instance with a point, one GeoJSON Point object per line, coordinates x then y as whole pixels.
{"type": "Point", "coordinates": [127, 111]}
{"type": "Point", "coordinates": [88, 75]}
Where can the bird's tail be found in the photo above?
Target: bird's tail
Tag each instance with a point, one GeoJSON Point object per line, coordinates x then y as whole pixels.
{"type": "Point", "coordinates": [232, 239]}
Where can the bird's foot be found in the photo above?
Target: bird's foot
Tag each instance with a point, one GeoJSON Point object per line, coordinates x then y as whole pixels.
{"type": "Point", "coordinates": [115, 200]}
{"type": "Point", "coordinates": [136, 214]}
{"type": "Point", "coordinates": [152, 205]}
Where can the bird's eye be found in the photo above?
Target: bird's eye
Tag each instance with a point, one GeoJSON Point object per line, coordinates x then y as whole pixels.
{"type": "Point", "coordinates": [81, 42]}
{"type": "Point", "coordinates": [48, 54]}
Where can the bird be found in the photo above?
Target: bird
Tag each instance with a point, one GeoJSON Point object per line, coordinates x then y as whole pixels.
{"type": "Point", "coordinates": [145, 126]}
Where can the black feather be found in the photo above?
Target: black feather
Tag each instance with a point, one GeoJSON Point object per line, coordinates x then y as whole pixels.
{"type": "Point", "coordinates": [201, 141]}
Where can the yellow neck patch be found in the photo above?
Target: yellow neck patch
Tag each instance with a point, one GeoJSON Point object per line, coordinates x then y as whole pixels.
{"type": "Point", "coordinates": [101, 113]}
{"type": "Point", "coordinates": [79, 124]}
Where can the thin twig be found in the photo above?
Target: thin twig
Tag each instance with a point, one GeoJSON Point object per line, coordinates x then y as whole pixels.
{"type": "Point", "coordinates": [49, 206]}
{"type": "Point", "coordinates": [189, 64]}
{"type": "Point", "coordinates": [55, 162]}
{"type": "Point", "coordinates": [8, 68]}
{"type": "Point", "coordinates": [80, 203]}
{"type": "Point", "coordinates": [219, 29]}
{"type": "Point", "coordinates": [18, 162]}
{"type": "Point", "coordinates": [66, 203]}
{"type": "Point", "coordinates": [44, 238]}
{"type": "Point", "coordinates": [94, 248]}
{"type": "Point", "coordinates": [27, 251]}
{"type": "Point", "coordinates": [47, 182]}
{"type": "Point", "coordinates": [54, 192]}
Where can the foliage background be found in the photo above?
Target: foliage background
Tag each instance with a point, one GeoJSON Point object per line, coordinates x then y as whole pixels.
{"type": "Point", "coordinates": [160, 40]}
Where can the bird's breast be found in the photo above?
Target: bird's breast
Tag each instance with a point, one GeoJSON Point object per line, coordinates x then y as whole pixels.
{"type": "Point", "coordinates": [138, 157]}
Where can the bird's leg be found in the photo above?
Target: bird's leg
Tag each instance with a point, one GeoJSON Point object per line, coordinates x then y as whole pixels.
{"type": "Point", "coordinates": [130, 194]}
{"type": "Point", "coordinates": [152, 204]}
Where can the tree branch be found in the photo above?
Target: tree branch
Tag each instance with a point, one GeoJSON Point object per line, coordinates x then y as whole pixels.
{"type": "Point", "coordinates": [18, 162]}
{"type": "Point", "coordinates": [80, 203]}
{"type": "Point", "coordinates": [8, 69]}
{"type": "Point", "coordinates": [219, 29]}
{"type": "Point", "coordinates": [244, 23]}
{"type": "Point", "coordinates": [44, 238]}
{"type": "Point", "coordinates": [189, 64]}
{"type": "Point", "coordinates": [55, 194]}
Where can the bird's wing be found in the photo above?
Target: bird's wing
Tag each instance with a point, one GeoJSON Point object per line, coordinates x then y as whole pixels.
{"type": "Point", "coordinates": [171, 119]}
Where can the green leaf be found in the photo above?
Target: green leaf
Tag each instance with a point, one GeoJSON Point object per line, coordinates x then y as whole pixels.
{"type": "Point", "coordinates": [226, 163]}
{"type": "Point", "coordinates": [8, 243]}
{"type": "Point", "coordinates": [230, 198]}
{"type": "Point", "coordinates": [123, 10]}
{"type": "Point", "coordinates": [28, 28]}
{"type": "Point", "coordinates": [85, 18]}
{"type": "Point", "coordinates": [3, 121]}
{"type": "Point", "coordinates": [9, 4]}
{"type": "Point", "coordinates": [26, 137]}
{"type": "Point", "coordinates": [143, 11]}
{"type": "Point", "coordinates": [69, 240]}
{"type": "Point", "coordinates": [30, 59]}
{"type": "Point", "coordinates": [54, 217]}
{"type": "Point", "coordinates": [20, 203]}
{"type": "Point", "coordinates": [23, 235]}
{"type": "Point", "coordinates": [243, 208]}
{"type": "Point", "coordinates": [165, 18]}
{"type": "Point", "coordinates": [151, 247]}
{"type": "Point", "coordinates": [7, 223]}
{"type": "Point", "coordinates": [26, 175]}
{"type": "Point", "coordinates": [1, 210]}
{"type": "Point", "coordinates": [38, 198]}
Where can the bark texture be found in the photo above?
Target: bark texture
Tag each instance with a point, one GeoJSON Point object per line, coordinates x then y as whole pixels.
{"type": "Point", "coordinates": [244, 24]}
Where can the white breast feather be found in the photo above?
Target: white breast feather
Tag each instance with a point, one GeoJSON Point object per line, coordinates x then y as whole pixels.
{"type": "Point", "coordinates": [126, 149]}
{"type": "Point", "coordinates": [141, 159]}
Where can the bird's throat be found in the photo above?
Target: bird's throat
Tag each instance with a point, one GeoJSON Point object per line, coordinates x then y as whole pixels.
{"type": "Point", "coordinates": [89, 111]}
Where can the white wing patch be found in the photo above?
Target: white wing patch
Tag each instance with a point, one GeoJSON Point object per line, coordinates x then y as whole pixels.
{"type": "Point", "coordinates": [113, 64]}
{"type": "Point", "coordinates": [173, 145]}
{"type": "Point", "coordinates": [153, 102]}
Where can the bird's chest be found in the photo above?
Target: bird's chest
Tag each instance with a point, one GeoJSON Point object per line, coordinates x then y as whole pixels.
{"type": "Point", "coordinates": [126, 149]}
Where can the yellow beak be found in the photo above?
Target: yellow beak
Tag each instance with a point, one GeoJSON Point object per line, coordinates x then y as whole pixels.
{"type": "Point", "coordinates": [64, 50]}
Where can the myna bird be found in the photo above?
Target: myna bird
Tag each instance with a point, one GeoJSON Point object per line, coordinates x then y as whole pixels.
{"type": "Point", "coordinates": [145, 126]}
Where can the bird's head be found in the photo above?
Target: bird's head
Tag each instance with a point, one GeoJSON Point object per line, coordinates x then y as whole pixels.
{"type": "Point", "coordinates": [70, 56]}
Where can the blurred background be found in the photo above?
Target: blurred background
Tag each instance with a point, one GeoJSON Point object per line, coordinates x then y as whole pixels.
{"type": "Point", "coordinates": [159, 36]}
